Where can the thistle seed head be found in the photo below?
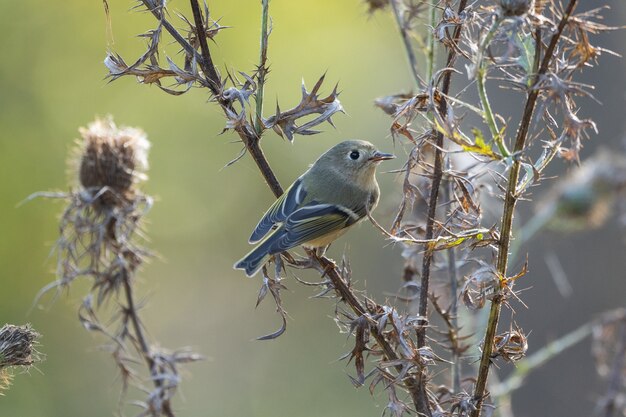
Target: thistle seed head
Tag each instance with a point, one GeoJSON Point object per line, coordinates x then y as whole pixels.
{"type": "Point", "coordinates": [112, 160]}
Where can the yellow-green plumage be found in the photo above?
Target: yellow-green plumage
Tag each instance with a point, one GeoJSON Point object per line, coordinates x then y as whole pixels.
{"type": "Point", "coordinates": [335, 193]}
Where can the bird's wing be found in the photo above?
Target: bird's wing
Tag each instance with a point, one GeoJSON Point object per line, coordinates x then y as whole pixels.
{"type": "Point", "coordinates": [284, 206]}
{"type": "Point", "coordinates": [311, 222]}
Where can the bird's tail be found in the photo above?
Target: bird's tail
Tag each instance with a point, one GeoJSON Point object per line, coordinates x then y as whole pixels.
{"type": "Point", "coordinates": [252, 262]}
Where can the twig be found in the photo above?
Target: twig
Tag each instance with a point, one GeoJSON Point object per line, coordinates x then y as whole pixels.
{"type": "Point", "coordinates": [262, 69]}
{"type": "Point", "coordinates": [430, 57]}
{"type": "Point", "coordinates": [452, 272]}
{"type": "Point", "coordinates": [248, 137]}
{"type": "Point", "coordinates": [206, 63]}
{"type": "Point", "coordinates": [406, 41]}
{"type": "Point", "coordinates": [507, 216]}
{"type": "Point", "coordinates": [131, 311]}
{"type": "Point", "coordinates": [157, 13]}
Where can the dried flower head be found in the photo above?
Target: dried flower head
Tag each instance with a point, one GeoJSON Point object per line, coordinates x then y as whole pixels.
{"type": "Point", "coordinates": [98, 229]}
{"type": "Point", "coordinates": [515, 7]}
{"type": "Point", "coordinates": [16, 349]}
{"type": "Point", "coordinates": [511, 345]}
{"type": "Point", "coordinates": [112, 160]}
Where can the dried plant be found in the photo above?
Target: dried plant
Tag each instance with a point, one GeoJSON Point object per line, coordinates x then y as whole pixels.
{"type": "Point", "coordinates": [457, 145]}
{"type": "Point", "coordinates": [101, 239]}
{"type": "Point", "coordinates": [17, 350]}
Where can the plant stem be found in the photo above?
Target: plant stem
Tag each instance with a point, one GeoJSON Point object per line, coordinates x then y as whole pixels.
{"type": "Point", "coordinates": [481, 77]}
{"type": "Point", "coordinates": [143, 346]}
{"type": "Point", "coordinates": [423, 407]}
{"type": "Point", "coordinates": [510, 201]}
{"type": "Point", "coordinates": [430, 58]}
{"type": "Point", "coordinates": [406, 41]}
{"type": "Point", "coordinates": [156, 12]}
{"type": "Point", "coordinates": [262, 69]}
{"type": "Point", "coordinates": [206, 63]}
{"type": "Point", "coordinates": [448, 191]}
{"type": "Point", "coordinates": [249, 137]}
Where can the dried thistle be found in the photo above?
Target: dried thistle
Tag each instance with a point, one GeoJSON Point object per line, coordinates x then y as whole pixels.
{"type": "Point", "coordinates": [511, 345]}
{"type": "Point", "coordinates": [99, 227]}
{"type": "Point", "coordinates": [112, 161]}
{"type": "Point", "coordinates": [17, 349]}
{"type": "Point", "coordinates": [100, 238]}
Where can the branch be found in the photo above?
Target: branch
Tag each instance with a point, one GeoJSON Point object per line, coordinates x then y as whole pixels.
{"type": "Point", "coordinates": [206, 63]}
{"type": "Point", "coordinates": [131, 311]}
{"type": "Point", "coordinates": [507, 215]}
{"type": "Point", "coordinates": [249, 137]}
{"type": "Point", "coordinates": [406, 41]}
{"type": "Point", "coordinates": [262, 69]}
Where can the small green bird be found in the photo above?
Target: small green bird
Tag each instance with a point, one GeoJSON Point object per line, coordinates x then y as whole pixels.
{"type": "Point", "coordinates": [335, 193]}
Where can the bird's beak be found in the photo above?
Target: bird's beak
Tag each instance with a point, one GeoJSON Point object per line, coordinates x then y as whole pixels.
{"type": "Point", "coordinates": [379, 156]}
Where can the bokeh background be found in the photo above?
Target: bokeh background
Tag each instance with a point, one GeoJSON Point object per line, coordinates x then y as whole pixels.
{"type": "Point", "coordinates": [52, 82]}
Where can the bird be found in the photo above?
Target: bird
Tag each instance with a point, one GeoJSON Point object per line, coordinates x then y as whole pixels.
{"type": "Point", "coordinates": [337, 191]}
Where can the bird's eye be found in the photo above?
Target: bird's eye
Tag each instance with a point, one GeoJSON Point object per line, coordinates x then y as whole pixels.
{"type": "Point", "coordinates": [354, 155]}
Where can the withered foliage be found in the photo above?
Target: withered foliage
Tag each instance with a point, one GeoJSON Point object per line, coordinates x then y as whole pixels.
{"type": "Point", "coordinates": [101, 239]}
{"type": "Point", "coordinates": [17, 350]}
{"type": "Point", "coordinates": [458, 147]}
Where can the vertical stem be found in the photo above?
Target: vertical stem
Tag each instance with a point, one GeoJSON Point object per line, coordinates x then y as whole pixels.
{"type": "Point", "coordinates": [144, 348]}
{"type": "Point", "coordinates": [406, 41]}
{"type": "Point", "coordinates": [510, 201]}
{"type": "Point", "coordinates": [430, 59]}
{"type": "Point", "coordinates": [262, 69]}
{"type": "Point", "coordinates": [448, 191]}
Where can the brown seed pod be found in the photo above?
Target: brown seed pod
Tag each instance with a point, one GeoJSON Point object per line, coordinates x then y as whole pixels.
{"type": "Point", "coordinates": [112, 160]}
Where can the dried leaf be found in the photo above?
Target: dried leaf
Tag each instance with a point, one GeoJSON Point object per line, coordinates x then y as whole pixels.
{"type": "Point", "coordinates": [286, 123]}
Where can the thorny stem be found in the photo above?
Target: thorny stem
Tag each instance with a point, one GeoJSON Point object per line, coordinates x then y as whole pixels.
{"type": "Point", "coordinates": [262, 70]}
{"type": "Point", "coordinates": [131, 311]}
{"type": "Point", "coordinates": [424, 407]}
{"type": "Point", "coordinates": [206, 63]}
{"type": "Point", "coordinates": [406, 41]}
{"type": "Point", "coordinates": [510, 201]}
{"type": "Point", "coordinates": [248, 137]}
{"type": "Point", "coordinates": [156, 11]}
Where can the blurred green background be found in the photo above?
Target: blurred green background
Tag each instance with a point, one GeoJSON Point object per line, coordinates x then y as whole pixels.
{"type": "Point", "coordinates": [52, 82]}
